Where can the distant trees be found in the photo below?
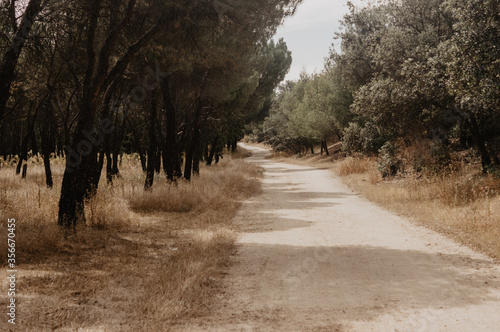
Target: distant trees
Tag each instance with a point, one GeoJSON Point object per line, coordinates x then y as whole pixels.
{"type": "Point", "coordinates": [168, 80]}
{"type": "Point", "coordinates": [408, 71]}
{"type": "Point", "coordinates": [312, 111]}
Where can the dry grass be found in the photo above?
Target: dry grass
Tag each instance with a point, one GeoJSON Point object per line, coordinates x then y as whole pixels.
{"type": "Point", "coordinates": [460, 204]}
{"type": "Point", "coordinates": [353, 165]}
{"type": "Point", "coordinates": [143, 262]}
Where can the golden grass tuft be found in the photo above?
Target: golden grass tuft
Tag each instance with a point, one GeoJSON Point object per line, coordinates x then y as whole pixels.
{"type": "Point", "coordinates": [144, 260]}
{"type": "Point", "coordinates": [202, 193]}
{"type": "Point", "coordinates": [352, 165]}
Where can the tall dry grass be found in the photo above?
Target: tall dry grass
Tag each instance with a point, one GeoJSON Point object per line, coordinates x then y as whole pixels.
{"type": "Point", "coordinates": [461, 203]}
{"type": "Point", "coordinates": [143, 261]}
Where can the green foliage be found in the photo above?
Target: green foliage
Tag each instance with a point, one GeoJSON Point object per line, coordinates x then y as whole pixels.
{"type": "Point", "coordinates": [420, 69]}
{"type": "Point", "coordinates": [358, 139]}
{"type": "Point", "coordinates": [387, 163]}
{"type": "Point", "coordinates": [313, 109]}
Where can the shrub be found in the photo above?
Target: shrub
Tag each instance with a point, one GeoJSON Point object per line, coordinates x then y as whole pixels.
{"type": "Point", "coordinates": [365, 139]}
{"type": "Point", "coordinates": [387, 163]}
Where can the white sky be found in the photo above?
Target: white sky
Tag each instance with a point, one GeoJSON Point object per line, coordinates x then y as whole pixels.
{"type": "Point", "coordinates": [309, 33]}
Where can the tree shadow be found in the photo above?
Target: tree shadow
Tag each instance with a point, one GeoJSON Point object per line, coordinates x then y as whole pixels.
{"type": "Point", "coordinates": [356, 283]}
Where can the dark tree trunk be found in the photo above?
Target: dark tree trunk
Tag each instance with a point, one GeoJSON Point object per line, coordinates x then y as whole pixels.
{"type": "Point", "coordinates": [158, 160]}
{"type": "Point", "coordinates": [312, 149]}
{"type": "Point", "coordinates": [81, 161]}
{"type": "Point", "coordinates": [172, 157]}
{"type": "Point", "coordinates": [143, 161]}
{"type": "Point", "coordinates": [193, 145]}
{"type": "Point", "coordinates": [234, 146]}
{"type": "Point", "coordinates": [324, 148]}
{"type": "Point", "coordinates": [212, 151]}
{"type": "Point", "coordinates": [25, 170]}
{"type": "Point", "coordinates": [109, 167]}
{"type": "Point", "coordinates": [23, 155]}
{"type": "Point", "coordinates": [206, 152]}
{"type": "Point", "coordinates": [115, 171]}
{"type": "Point", "coordinates": [479, 142]}
{"type": "Point", "coordinates": [118, 147]}
{"type": "Point", "coordinates": [48, 172]}
{"type": "Point", "coordinates": [11, 57]}
{"type": "Point", "coordinates": [153, 145]}
{"type": "Point", "coordinates": [34, 145]}
{"type": "Point", "coordinates": [45, 134]}
{"type": "Point", "coordinates": [196, 159]}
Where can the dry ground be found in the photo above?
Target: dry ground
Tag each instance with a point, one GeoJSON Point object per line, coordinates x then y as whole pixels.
{"type": "Point", "coordinates": [145, 260]}
{"type": "Point", "coordinates": [315, 256]}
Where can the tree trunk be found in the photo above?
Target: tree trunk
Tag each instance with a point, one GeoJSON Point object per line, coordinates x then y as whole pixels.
{"type": "Point", "coordinates": [109, 167]}
{"type": "Point", "coordinates": [153, 146]}
{"type": "Point", "coordinates": [23, 155]}
{"type": "Point", "coordinates": [325, 147]}
{"type": "Point", "coordinates": [82, 167]}
{"type": "Point", "coordinates": [172, 158]}
{"type": "Point", "coordinates": [158, 160]}
{"type": "Point", "coordinates": [25, 170]}
{"type": "Point", "coordinates": [46, 149]}
{"type": "Point", "coordinates": [196, 159]}
{"type": "Point", "coordinates": [212, 151]}
{"type": "Point", "coordinates": [48, 171]}
{"type": "Point", "coordinates": [11, 57]}
{"type": "Point", "coordinates": [193, 145]}
{"type": "Point", "coordinates": [480, 142]}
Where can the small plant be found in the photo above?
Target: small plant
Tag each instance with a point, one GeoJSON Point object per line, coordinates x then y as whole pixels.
{"type": "Point", "coordinates": [388, 164]}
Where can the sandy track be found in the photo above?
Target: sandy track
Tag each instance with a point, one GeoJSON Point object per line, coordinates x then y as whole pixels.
{"type": "Point", "coordinates": [314, 256]}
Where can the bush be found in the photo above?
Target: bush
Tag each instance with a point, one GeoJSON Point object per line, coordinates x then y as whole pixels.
{"type": "Point", "coordinates": [365, 139]}
{"type": "Point", "coordinates": [388, 164]}
{"type": "Point", "coordinates": [351, 141]}
{"type": "Point", "coordinates": [430, 157]}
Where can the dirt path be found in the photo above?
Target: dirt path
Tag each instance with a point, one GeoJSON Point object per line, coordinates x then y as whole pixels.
{"type": "Point", "coordinates": [314, 256]}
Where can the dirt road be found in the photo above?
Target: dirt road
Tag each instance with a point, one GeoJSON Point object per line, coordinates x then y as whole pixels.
{"type": "Point", "coordinates": [314, 256]}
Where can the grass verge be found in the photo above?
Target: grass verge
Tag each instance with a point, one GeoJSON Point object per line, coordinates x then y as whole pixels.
{"type": "Point", "coordinates": [145, 261]}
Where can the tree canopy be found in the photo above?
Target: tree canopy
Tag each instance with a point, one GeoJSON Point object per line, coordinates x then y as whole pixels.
{"type": "Point", "coordinates": [407, 71]}
{"type": "Point", "coordinates": [90, 80]}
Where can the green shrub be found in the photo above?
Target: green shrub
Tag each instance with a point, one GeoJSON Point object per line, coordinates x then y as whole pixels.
{"type": "Point", "coordinates": [387, 163]}
{"type": "Point", "coordinates": [365, 139]}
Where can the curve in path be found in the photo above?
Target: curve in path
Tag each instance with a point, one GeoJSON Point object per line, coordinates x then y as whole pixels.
{"type": "Point", "coordinates": [314, 256]}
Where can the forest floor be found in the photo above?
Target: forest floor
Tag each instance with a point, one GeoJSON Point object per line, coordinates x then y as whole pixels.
{"type": "Point", "coordinates": [143, 261]}
{"type": "Point", "coordinates": [315, 256]}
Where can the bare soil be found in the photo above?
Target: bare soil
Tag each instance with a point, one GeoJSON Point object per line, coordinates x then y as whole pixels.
{"type": "Point", "coordinates": [315, 256]}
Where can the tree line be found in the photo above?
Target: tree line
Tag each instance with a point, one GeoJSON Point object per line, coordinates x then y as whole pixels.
{"type": "Point", "coordinates": [173, 81]}
{"type": "Point", "coordinates": [409, 72]}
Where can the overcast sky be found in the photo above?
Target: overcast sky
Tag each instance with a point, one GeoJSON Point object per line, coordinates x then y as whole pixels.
{"type": "Point", "coordinates": [309, 33]}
